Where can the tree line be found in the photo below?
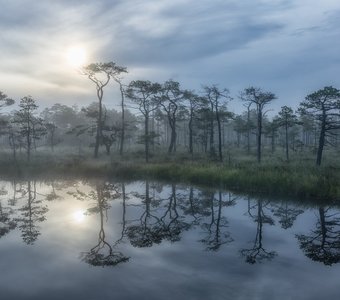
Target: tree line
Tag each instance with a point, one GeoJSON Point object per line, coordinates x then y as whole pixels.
{"type": "Point", "coordinates": [164, 115]}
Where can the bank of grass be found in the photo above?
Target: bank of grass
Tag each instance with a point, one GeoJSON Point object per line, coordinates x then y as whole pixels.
{"type": "Point", "coordinates": [301, 180]}
{"type": "Point", "coordinates": [302, 183]}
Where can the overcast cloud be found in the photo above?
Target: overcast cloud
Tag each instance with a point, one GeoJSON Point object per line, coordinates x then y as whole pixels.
{"type": "Point", "coordinates": [288, 47]}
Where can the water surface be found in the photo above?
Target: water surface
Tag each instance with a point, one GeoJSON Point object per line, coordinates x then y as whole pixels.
{"type": "Point", "coordinates": [147, 240]}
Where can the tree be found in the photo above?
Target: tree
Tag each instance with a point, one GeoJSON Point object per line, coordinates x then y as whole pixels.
{"type": "Point", "coordinates": [144, 95]}
{"type": "Point", "coordinates": [4, 100]}
{"type": "Point", "coordinates": [172, 97]}
{"type": "Point", "coordinates": [287, 119]}
{"type": "Point", "coordinates": [217, 99]}
{"type": "Point", "coordinates": [195, 104]}
{"type": "Point", "coordinates": [123, 125]}
{"type": "Point", "coordinates": [100, 74]}
{"type": "Point", "coordinates": [31, 128]}
{"type": "Point", "coordinates": [270, 130]}
{"type": "Point", "coordinates": [324, 106]}
{"type": "Point", "coordinates": [259, 98]}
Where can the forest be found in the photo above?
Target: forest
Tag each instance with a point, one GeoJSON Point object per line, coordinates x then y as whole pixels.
{"type": "Point", "coordinates": [169, 132]}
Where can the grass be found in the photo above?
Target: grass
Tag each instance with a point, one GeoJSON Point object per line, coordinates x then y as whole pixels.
{"type": "Point", "coordinates": [300, 179]}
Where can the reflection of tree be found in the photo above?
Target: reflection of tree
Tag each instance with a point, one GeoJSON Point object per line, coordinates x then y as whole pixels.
{"type": "Point", "coordinates": [152, 229]}
{"type": "Point", "coordinates": [31, 213]}
{"type": "Point", "coordinates": [258, 253]}
{"type": "Point", "coordinates": [287, 214]}
{"type": "Point", "coordinates": [194, 207]}
{"type": "Point", "coordinates": [171, 224]}
{"type": "Point", "coordinates": [217, 235]}
{"type": "Point", "coordinates": [6, 223]}
{"type": "Point", "coordinates": [323, 244]}
{"type": "Point", "coordinates": [102, 254]}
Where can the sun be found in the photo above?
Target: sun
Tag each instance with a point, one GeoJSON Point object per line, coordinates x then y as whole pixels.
{"type": "Point", "coordinates": [78, 216]}
{"type": "Point", "coordinates": [76, 56]}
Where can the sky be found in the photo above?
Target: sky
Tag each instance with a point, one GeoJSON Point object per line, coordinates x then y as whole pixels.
{"type": "Point", "coordinates": [288, 47]}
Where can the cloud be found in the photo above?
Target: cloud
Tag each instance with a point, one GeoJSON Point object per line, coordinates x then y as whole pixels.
{"type": "Point", "coordinates": [288, 46]}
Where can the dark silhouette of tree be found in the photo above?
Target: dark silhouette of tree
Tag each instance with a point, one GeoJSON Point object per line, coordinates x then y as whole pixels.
{"type": "Point", "coordinates": [32, 212]}
{"type": "Point", "coordinates": [258, 253]}
{"type": "Point", "coordinates": [145, 95]}
{"type": "Point", "coordinates": [100, 74]}
{"type": "Point", "coordinates": [217, 234]}
{"type": "Point", "coordinates": [323, 243]}
{"type": "Point", "coordinates": [324, 106]}
{"type": "Point", "coordinates": [255, 96]}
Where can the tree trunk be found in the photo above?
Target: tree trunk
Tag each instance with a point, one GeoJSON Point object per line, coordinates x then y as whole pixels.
{"type": "Point", "coordinates": [259, 135]}
{"type": "Point", "coordinates": [191, 151]}
{"type": "Point", "coordinates": [321, 139]}
{"type": "Point", "coordinates": [146, 133]}
{"type": "Point", "coordinates": [172, 146]}
{"type": "Point", "coordinates": [287, 148]}
{"type": "Point", "coordinates": [122, 137]}
{"type": "Point", "coordinates": [99, 123]}
{"type": "Point", "coordinates": [219, 133]}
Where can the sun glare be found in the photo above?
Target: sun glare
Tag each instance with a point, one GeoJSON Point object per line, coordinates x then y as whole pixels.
{"type": "Point", "coordinates": [78, 216]}
{"type": "Point", "coordinates": [76, 56]}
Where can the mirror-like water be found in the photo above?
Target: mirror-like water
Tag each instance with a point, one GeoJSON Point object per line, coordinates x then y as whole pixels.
{"type": "Point", "coordinates": [147, 240]}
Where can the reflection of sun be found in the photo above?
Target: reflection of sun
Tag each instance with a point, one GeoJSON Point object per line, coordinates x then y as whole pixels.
{"type": "Point", "coordinates": [76, 56]}
{"type": "Point", "coordinates": [78, 216]}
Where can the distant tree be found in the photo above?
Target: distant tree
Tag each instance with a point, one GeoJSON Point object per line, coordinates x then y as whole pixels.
{"type": "Point", "coordinates": [100, 74]}
{"type": "Point", "coordinates": [218, 100]}
{"type": "Point", "coordinates": [144, 95]}
{"type": "Point", "coordinates": [31, 128]}
{"type": "Point", "coordinates": [324, 106]}
{"type": "Point", "coordinates": [118, 80]}
{"type": "Point", "coordinates": [271, 130]}
{"type": "Point", "coordinates": [195, 104]}
{"type": "Point", "coordinates": [240, 127]}
{"type": "Point", "coordinates": [51, 131]}
{"type": "Point", "coordinates": [287, 119]}
{"type": "Point", "coordinates": [259, 98]}
{"type": "Point", "coordinates": [4, 100]}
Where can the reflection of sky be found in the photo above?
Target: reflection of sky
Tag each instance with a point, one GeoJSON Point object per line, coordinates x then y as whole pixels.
{"type": "Point", "coordinates": [51, 268]}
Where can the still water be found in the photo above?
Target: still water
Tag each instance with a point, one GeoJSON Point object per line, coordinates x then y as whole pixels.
{"type": "Point", "coordinates": [149, 240]}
